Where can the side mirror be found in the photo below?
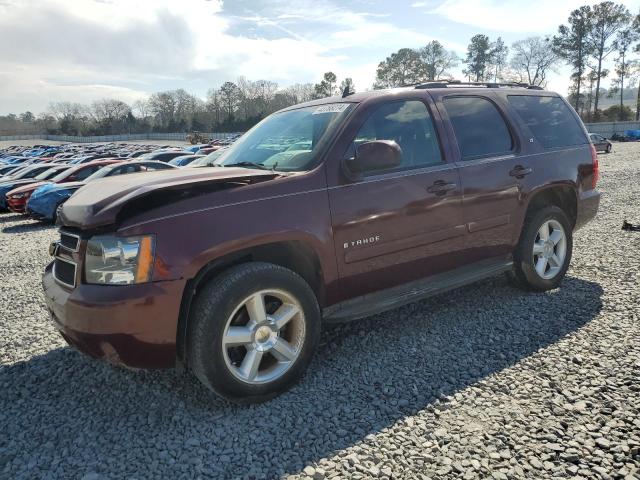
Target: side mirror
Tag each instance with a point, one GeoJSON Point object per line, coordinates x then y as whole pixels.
{"type": "Point", "coordinates": [375, 155]}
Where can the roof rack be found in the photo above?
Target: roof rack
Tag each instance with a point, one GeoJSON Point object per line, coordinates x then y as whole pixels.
{"type": "Point", "coordinates": [456, 83]}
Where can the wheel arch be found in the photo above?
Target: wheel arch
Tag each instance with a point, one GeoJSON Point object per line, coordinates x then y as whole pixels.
{"type": "Point", "coordinates": [562, 195]}
{"type": "Point", "coordinates": [296, 255]}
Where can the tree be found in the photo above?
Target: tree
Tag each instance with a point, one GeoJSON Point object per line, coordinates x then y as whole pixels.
{"type": "Point", "coordinates": [404, 67]}
{"type": "Point", "coordinates": [142, 108]}
{"type": "Point", "coordinates": [437, 60]}
{"type": "Point", "coordinates": [229, 95]}
{"type": "Point", "coordinates": [348, 85]}
{"type": "Point", "coordinates": [498, 58]}
{"type": "Point", "coordinates": [327, 86]}
{"type": "Point", "coordinates": [636, 68]}
{"type": "Point", "coordinates": [27, 117]}
{"type": "Point", "coordinates": [572, 45]}
{"type": "Point", "coordinates": [608, 19]}
{"type": "Point", "coordinates": [622, 45]}
{"type": "Point", "coordinates": [533, 58]}
{"type": "Point", "coordinates": [478, 57]}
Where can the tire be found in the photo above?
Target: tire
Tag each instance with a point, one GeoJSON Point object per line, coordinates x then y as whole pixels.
{"type": "Point", "coordinates": [608, 149]}
{"type": "Point", "coordinates": [222, 358]}
{"type": "Point", "coordinates": [530, 271]}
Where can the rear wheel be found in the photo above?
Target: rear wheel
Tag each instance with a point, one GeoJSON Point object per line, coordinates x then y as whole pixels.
{"type": "Point", "coordinates": [544, 251]}
{"type": "Point", "coordinates": [609, 148]}
{"type": "Point", "coordinates": [253, 332]}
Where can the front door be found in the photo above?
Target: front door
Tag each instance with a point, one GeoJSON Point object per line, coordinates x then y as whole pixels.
{"type": "Point", "coordinates": [395, 226]}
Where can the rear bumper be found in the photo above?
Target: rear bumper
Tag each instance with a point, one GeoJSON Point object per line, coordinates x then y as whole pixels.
{"type": "Point", "coordinates": [130, 325]}
{"type": "Point", "coordinates": [588, 203]}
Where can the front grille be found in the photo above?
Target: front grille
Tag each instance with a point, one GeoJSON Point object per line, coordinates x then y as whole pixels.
{"type": "Point", "coordinates": [64, 272]}
{"type": "Point", "coordinates": [69, 241]}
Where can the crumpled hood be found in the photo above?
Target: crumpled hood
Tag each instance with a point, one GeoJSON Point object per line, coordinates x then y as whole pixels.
{"type": "Point", "coordinates": [99, 202]}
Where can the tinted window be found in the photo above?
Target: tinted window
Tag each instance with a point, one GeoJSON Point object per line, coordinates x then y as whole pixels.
{"type": "Point", "coordinates": [480, 129]}
{"type": "Point", "coordinates": [407, 123]}
{"type": "Point", "coordinates": [550, 120]}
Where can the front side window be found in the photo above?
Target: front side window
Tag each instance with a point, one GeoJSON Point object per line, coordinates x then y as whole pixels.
{"type": "Point", "coordinates": [479, 128]}
{"type": "Point", "coordinates": [550, 120]}
{"type": "Point", "coordinates": [287, 141]}
{"type": "Point", "coordinates": [407, 123]}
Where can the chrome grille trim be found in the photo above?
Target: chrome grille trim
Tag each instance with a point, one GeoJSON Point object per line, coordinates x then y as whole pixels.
{"type": "Point", "coordinates": [73, 245]}
{"type": "Point", "coordinates": [75, 272]}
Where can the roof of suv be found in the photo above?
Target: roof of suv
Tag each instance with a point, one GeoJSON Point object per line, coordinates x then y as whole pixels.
{"type": "Point", "coordinates": [439, 86]}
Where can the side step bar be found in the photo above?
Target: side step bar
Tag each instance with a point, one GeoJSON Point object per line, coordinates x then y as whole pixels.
{"type": "Point", "coordinates": [377, 302]}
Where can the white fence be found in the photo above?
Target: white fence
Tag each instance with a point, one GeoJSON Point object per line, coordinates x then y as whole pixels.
{"type": "Point", "coordinates": [607, 129]}
{"type": "Point", "coordinates": [113, 138]}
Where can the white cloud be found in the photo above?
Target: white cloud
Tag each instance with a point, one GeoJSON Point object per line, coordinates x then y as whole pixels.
{"type": "Point", "coordinates": [541, 16]}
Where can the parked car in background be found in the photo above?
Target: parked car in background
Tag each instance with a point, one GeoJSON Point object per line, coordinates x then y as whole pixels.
{"type": "Point", "coordinates": [16, 198]}
{"type": "Point", "coordinates": [600, 143]}
{"type": "Point", "coordinates": [184, 160]}
{"type": "Point", "coordinates": [7, 170]}
{"type": "Point", "coordinates": [164, 156]}
{"type": "Point", "coordinates": [208, 160]}
{"type": "Point", "coordinates": [30, 175]}
{"type": "Point", "coordinates": [44, 200]}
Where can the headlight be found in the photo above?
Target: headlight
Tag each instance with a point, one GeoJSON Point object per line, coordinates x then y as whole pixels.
{"type": "Point", "coordinates": [18, 196]}
{"type": "Point", "coordinates": [119, 260]}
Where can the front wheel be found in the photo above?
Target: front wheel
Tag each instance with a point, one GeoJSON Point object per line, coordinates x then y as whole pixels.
{"type": "Point", "coordinates": [544, 251]}
{"type": "Point", "coordinates": [253, 332]}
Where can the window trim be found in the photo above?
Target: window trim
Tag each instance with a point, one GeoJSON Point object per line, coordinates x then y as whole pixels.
{"type": "Point", "coordinates": [515, 144]}
{"type": "Point", "coordinates": [400, 171]}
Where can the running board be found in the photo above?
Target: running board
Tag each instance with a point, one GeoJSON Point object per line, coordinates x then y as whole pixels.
{"type": "Point", "coordinates": [377, 302]}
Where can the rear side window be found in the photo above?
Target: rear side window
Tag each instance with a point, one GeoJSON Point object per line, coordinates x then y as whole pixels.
{"type": "Point", "coordinates": [549, 119]}
{"type": "Point", "coordinates": [480, 129]}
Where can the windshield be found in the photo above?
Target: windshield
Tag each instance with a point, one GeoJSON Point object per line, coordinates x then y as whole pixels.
{"type": "Point", "coordinates": [287, 141]}
{"type": "Point", "coordinates": [64, 174]}
{"type": "Point", "coordinates": [47, 174]}
{"type": "Point", "coordinates": [103, 172]}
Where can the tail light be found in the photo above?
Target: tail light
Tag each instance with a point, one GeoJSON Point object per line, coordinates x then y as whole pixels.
{"type": "Point", "coordinates": [595, 176]}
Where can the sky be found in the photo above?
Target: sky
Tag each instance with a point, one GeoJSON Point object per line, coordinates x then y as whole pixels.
{"type": "Point", "coordinates": [85, 50]}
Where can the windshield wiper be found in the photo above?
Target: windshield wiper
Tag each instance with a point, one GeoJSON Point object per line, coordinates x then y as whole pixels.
{"type": "Point", "coordinates": [248, 164]}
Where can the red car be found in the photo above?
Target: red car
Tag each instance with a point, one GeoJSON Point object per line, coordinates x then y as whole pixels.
{"type": "Point", "coordinates": [17, 198]}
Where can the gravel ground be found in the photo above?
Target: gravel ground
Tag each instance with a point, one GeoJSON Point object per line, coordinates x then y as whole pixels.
{"type": "Point", "coordinates": [486, 381]}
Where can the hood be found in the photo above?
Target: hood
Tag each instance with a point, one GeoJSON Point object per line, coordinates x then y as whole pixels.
{"type": "Point", "coordinates": [28, 187]}
{"type": "Point", "coordinates": [11, 184]}
{"type": "Point", "coordinates": [100, 202]}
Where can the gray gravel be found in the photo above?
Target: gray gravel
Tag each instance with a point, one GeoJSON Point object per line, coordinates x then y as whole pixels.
{"type": "Point", "coordinates": [483, 382]}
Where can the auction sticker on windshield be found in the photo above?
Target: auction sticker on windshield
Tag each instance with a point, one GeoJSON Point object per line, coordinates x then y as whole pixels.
{"type": "Point", "coordinates": [331, 108]}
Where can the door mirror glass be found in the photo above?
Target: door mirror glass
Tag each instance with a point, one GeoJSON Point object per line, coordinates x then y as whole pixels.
{"type": "Point", "coordinates": [375, 155]}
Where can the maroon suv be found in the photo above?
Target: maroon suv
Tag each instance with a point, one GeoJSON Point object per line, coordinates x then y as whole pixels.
{"type": "Point", "coordinates": [327, 211]}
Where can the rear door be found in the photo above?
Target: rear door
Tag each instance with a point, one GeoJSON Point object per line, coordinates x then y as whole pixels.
{"type": "Point", "coordinates": [490, 169]}
{"type": "Point", "coordinates": [392, 227]}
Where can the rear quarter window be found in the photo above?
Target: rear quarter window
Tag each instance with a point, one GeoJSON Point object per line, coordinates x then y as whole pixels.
{"type": "Point", "coordinates": [550, 120]}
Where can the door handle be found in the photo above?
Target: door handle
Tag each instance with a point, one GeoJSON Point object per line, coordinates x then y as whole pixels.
{"type": "Point", "coordinates": [440, 187]}
{"type": "Point", "coordinates": [519, 171]}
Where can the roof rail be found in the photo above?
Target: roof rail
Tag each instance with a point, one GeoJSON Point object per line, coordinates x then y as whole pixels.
{"type": "Point", "coordinates": [456, 83]}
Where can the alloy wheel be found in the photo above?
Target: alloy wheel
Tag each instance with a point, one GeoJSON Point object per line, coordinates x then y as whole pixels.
{"type": "Point", "coordinates": [264, 336]}
{"type": "Point", "coordinates": [549, 249]}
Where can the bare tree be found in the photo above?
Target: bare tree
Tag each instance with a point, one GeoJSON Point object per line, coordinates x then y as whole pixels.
{"type": "Point", "coordinates": [532, 60]}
